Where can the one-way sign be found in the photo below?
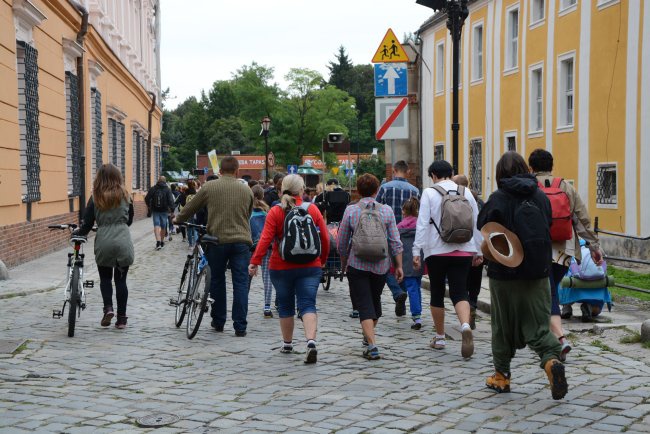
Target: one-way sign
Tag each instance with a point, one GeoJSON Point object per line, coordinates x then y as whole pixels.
{"type": "Point", "coordinates": [391, 79]}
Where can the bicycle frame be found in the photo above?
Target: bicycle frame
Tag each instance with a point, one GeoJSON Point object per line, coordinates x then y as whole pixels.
{"type": "Point", "coordinates": [76, 257]}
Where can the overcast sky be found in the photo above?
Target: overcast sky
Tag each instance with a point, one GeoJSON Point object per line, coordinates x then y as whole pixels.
{"type": "Point", "coordinates": [207, 40]}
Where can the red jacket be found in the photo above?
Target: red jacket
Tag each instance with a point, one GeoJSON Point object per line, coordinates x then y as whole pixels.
{"type": "Point", "coordinates": [273, 231]}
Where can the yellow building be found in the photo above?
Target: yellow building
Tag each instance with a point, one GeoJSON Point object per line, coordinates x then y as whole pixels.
{"type": "Point", "coordinates": [570, 76]}
{"type": "Point", "coordinates": [80, 87]}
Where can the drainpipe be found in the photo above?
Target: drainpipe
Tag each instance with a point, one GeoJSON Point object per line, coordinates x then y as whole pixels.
{"type": "Point", "coordinates": [81, 36]}
{"type": "Point", "coordinates": [149, 120]}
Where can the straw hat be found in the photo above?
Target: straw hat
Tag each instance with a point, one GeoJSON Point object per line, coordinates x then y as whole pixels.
{"type": "Point", "coordinates": [501, 245]}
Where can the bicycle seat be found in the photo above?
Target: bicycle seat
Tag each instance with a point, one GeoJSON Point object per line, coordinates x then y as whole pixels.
{"type": "Point", "coordinates": [210, 240]}
{"type": "Point", "coordinates": [78, 239]}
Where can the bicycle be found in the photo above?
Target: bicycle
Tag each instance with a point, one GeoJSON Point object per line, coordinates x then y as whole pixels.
{"type": "Point", "coordinates": [74, 295]}
{"type": "Point", "coordinates": [190, 300]}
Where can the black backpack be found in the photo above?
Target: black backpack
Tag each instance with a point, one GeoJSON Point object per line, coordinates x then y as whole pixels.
{"type": "Point", "coordinates": [159, 199]}
{"type": "Point", "coordinates": [532, 228]}
{"type": "Point", "coordinates": [300, 241]}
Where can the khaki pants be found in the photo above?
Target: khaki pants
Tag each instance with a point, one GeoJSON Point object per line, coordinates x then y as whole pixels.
{"type": "Point", "coordinates": [521, 313]}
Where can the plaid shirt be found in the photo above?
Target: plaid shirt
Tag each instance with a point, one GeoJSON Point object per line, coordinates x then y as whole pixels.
{"type": "Point", "coordinates": [394, 193]}
{"type": "Point", "coordinates": [346, 228]}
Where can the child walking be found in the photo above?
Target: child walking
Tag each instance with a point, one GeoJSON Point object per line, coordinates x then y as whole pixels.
{"type": "Point", "coordinates": [412, 277]}
{"type": "Point", "coordinates": [258, 218]}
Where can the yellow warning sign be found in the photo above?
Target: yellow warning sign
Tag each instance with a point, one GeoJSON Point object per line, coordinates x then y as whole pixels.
{"type": "Point", "coordinates": [390, 50]}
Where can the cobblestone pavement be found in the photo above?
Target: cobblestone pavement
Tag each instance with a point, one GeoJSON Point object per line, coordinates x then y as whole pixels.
{"type": "Point", "coordinates": [102, 380]}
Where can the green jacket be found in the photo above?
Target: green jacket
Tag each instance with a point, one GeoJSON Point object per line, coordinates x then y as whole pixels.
{"type": "Point", "coordinates": [113, 244]}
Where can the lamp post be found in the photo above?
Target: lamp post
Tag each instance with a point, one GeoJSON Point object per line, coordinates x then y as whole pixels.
{"type": "Point", "coordinates": [266, 124]}
{"type": "Point", "coordinates": [457, 12]}
{"type": "Point", "coordinates": [165, 152]}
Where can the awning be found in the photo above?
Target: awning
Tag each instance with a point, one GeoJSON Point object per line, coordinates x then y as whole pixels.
{"type": "Point", "coordinates": [307, 169]}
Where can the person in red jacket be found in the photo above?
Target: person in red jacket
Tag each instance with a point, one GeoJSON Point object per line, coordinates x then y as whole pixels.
{"type": "Point", "coordinates": [295, 284]}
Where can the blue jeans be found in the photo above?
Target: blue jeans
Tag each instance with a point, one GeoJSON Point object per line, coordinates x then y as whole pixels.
{"type": "Point", "coordinates": [238, 256]}
{"type": "Point", "coordinates": [412, 287]}
{"type": "Point", "coordinates": [394, 287]}
{"type": "Point", "coordinates": [296, 287]}
{"type": "Point", "coordinates": [191, 235]}
{"type": "Point", "coordinates": [160, 219]}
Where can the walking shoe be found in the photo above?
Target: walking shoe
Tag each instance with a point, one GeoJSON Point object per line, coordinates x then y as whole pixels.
{"type": "Point", "coordinates": [472, 318]}
{"type": "Point", "coordinates": [566, 347]}
{"type": "Point", "coordinates": [586, 312]}
{"type": "Point", "coordinates": [162, 244]}
{"type": "Point", "coordinates": [354, 314]}
{"type": "Point", "coordinates": [556, 377]}
{"type": "Point", "coordinates": [467, 346]}
{"type": "Point", "coordinates": [438, 343]}
{"type": "Point", "coordinates": [286, 348]}
{"type": "Point", "coordinates": [240, 333]}
{"type": "Point", "coordinates": [312, 355]}
{"type": "Point", "coordinates": [216, 327]}
{"type": "Point", "coordinates": [499, 382]}
{"type": "Point", "coordinates": [417, 325]}
{"type": "Point", "coordinates": [158, 246]}
{"type": "Point", "coordinates": [121, 322]}
{"type": "Point", "coordinates": [371, 353]}
{"type": "Point", "coordinates": [108, 316]}
{"type": "Point", "coordinates": [268, 314]}
{"type": "Point", "coordinates": [400, 304]}
{"type": "Point", "coordinates": [567, 311]}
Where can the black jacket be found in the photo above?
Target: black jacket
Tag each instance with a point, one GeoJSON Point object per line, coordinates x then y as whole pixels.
{"type": "Point", "coordinates": [500, 208]}
{"type": "Point", "coordinates": [271, 196]}
{"type": "Point", "coordinates": [333, 203]}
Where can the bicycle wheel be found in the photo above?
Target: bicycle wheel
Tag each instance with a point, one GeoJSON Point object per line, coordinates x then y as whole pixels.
{"type": "Point", "coordinates": [199, 302]}
{"type": "Point", "coordinates": [326, 280]}
{"type": "Point", "coordinates": [73, 302]}
{"type": "Point", "coordinates": [183, 291]}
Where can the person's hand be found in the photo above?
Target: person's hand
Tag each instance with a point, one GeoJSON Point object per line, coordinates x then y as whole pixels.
{"type": "Point", "coordinates": [597, 256]}
{"type": "Point", "coordinates": [477, 260]}
{"type": "Point", "coordinates": [252, 270]}
{"type": "Point", "coordinates": [399, 274]}
{"type": "Point", "coordinates": [416, 263]}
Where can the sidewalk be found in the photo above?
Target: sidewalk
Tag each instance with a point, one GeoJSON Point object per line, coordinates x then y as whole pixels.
{"type": "Point", "coordinates": [50, 272]}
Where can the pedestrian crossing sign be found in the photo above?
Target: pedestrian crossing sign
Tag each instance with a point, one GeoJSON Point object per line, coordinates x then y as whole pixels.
{"type": "Point", "coordinates": [390, 50]}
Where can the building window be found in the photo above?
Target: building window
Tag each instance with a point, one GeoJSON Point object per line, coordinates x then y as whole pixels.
{"type": "Point", "coordinates": [476, 165]}
{"type": "Point", "coordinates": [439, 152]}
{"type": "Point", "coordinates": [477, 52]}
{"type": "Point", "coordinates": [511, 142]}
{"type": "Point", "coordinates": [156, 151]}
{"type": "Point", "coordinates": [606, 185]}
{"type": "Point", "coordinates": [116, 145]}
{"type": "Point", "coordinates": [28, 120]}
{"type": "Point", "coordinates": [512, 41]}
{"type": "Point", "coordinates": [121, 146]}
{"type": "Point", "coordinates": [566, 4]}
{"type": "Point", "coordinates": [536, 99]}
{"type": "Point", "coordinates": [74, 135]}
{"type": "Point", "coordinates": [96, 131]}
{"type": "Point", "coordinates": [136, 160]}
{"type": "Point", "coordinates": [440, 67]}
{"type": "Point", "coordinates": [565, 91]}
{"type": "Point", "coordinates": [537, 11]}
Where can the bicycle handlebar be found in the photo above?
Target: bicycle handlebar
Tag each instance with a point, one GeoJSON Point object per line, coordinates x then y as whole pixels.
{"type": "Point", "coordinates": [63, 226]}
{"type": "Point", "coordinates": [192, 225]}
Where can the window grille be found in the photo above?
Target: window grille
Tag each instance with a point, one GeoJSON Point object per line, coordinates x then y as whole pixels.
{"type": "Point", "coordinates": [439, 152]}
{"type": "Point", "coordinates": [606, 188]}
{"type": "Point", "coordinates": [74, 135]}
{"type": "Point", "coordinates": [96, 108]}
{"type": "Point", "coordinates": [476, 166]}
{"type": "Point", "coordinates": [157, 160]}
{"type": "Point", "coordinates": [28, 118]}
{"type": "Point", "coordinates": [112, 142]}
{"type": "Point", "coordinates": [137, 168]}
{"type": "Point", "coordinates": [121, 146]}
{"type": "Point", "coordinates": [512, 143]}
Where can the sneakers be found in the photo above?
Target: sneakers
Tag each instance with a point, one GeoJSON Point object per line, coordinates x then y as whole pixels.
{"type": "Point", "coordinates": [438, 343]}
{"type": "Point", "coordinates": [268, 313]}
{"type": "Point", "coordinates": [120, 324]}
{"type": "Point", "coordinates": [499, 382]}
{"type": "Point", "coordinates": [566, 347]}
{"type": "Point", "coordinates": [162, 244]}
{"type": "Point", "coordinates": [472, 318]}
{"type": "Point", "coordinates": [158, 246]}
{"type": "Point", "coordinates": [567, 311]}
{"type": "Point", "coordinates": [286, 348]}
{"type": "Point", "coordinates": [108, 316]}
{"type": "Point", "coordinates": [586, 312]}
{"type": "Point", "coordinates": [312, 354]}
{"type": "Point", "coordinates": [240, 333]}
{"type": "Point", "coordinates": [417, 324]}
{"type": "Point", "coordinates": [354, 314]}
{"type": "Point", "coordinates": [467, 346]}
{"type": "Point", "coordinates": [556, 377]}
{"type": "Point", "coordinates": [371, 353]}
{"type": "Point", "coordinates": [400, 304]}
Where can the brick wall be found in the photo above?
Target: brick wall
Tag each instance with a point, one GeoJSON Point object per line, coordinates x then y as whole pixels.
{"type": "Point", "coordinates": [413, 177]}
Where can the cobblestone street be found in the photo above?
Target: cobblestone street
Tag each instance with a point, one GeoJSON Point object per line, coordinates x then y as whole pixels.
{"type": "Point", "coordinates": [102, 380]}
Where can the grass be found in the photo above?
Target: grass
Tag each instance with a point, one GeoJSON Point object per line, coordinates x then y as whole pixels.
{"type": "Point", "coordinates": [634, 338]}
{"type": "Point", "coordinates": [21, 348]}
{"type": "Point", "coordinates": [631, 278]}
{"type": "Point", "coordinates": [603, 346]}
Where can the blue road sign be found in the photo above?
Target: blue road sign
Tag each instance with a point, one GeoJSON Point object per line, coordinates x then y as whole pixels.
{"type": "Point", "coordinates": [292, 169]}
{"type": "Point", "coordinates": [206, 170]}
{"type": "Point", "coordinates": [349, 173]}
{"type": "Point", "coordinates": [391, 79]}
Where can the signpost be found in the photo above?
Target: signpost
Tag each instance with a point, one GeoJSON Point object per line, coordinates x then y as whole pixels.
{"type": "Point", "coordinates": [292, 169]}
{"type": "Point", "coordinates": [391, 79]}
{"type": "Point", "coordinates": [391, 118]}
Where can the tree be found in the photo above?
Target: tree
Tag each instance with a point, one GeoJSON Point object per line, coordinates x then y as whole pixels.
{"type": "Point", "coordinates": [340, 70]}
{"type": "Point", "coordinates": [375, 166]}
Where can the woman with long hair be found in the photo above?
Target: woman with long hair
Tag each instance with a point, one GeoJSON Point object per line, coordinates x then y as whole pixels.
{"type": "Point", "coordinates": [111, 208]}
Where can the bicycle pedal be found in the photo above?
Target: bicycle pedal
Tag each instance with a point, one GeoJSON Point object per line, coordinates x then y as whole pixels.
{"type": "Point", "coordinates": [173, 302]}
{"type": "Point", "coordinates": [57, 314]}
{"type": "Point", "coordinates": [89, 284]}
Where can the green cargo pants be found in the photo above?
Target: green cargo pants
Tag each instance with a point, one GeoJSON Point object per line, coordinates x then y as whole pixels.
{"type": "Point", "coordinates": [521, 313]}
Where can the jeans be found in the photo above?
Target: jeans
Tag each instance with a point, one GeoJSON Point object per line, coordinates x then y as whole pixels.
{"type": "Point", "coordinates": [160, 219]}
{"type": "Point", "coordinates": [237, 255]}
{"type": "Point", "coordinates": [412, 287]}
{"type": "Point", "coordinates": [191, 236]}
{"type": "Point", "coordinates": [106, 275]}
{"type": "Point", "coordinates": [394, 287]}
{"type": "Point", "coordinates": [296, 287]}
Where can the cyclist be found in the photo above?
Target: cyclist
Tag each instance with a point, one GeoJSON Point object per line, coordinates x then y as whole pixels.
{"type": "Point", "coordinates": [110, 206]}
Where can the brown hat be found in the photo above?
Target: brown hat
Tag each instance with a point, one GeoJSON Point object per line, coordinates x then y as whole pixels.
{"type": "Point", "coordinates": [501, 245]}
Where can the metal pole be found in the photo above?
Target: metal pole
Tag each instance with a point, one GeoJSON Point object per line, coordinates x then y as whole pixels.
{"type": "Point", "coordinates": [266, 156]}
{"type": "Point", "coordinates": [454, 24]}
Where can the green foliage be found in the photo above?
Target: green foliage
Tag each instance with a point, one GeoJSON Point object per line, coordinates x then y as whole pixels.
{"type": "Point", "coordinates": [630, 278]}
{"type": "Point", "coordinates": [375, 166]}
{"type": "Point", "coordinates": [330, 160]}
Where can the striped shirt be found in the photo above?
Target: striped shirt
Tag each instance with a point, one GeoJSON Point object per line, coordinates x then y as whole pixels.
{"type": "Point", "coordinates": [394, 193]}
{"type": "Point", "coordinates": [346, 228]}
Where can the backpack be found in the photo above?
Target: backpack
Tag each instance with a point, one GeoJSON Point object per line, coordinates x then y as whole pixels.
{"type": "Point", "coordinates": [562, 227]}
{"type": "Point", "coordinates": [257, 220]}
{"type": "Point", "coordinates": [531, 227]}
{"type": "Point", "coordinates": [369, 240]}
{"type": "Point", "coordinates": [456, 216]}
{"type": "Point", "coordinates": [159, 199]}
{"type": "Point", "coordinates": [300, 242]}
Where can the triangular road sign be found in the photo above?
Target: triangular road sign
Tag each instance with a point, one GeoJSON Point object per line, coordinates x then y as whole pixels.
{"type": "Point", "coordinates": [390, 50]}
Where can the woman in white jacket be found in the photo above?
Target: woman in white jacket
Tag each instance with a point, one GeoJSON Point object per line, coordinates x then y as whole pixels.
{"type": "Point", "coordinates": [445, 260]}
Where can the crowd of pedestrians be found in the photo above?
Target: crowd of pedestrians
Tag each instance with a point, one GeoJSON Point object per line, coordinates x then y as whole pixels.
{"type": "Point", "coordinates": [526, 233]}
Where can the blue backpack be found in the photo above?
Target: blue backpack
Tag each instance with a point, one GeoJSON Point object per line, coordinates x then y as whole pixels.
{"type": "Point", "coordinates": [257, 220]}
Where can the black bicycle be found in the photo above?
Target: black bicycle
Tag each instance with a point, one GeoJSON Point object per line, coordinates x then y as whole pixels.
{"type": "Point", "coordinates": [74, 296]}
{"type": "Point", "coordinates": [190, 299]}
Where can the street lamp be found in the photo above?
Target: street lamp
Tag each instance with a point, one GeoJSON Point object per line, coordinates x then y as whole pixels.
{"type": "Point", "coordinates": [266, 124]}
{"type": "Point", "coordinates": [165, 152]}
{"type": "Point", "coordinates": [457, 12]}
